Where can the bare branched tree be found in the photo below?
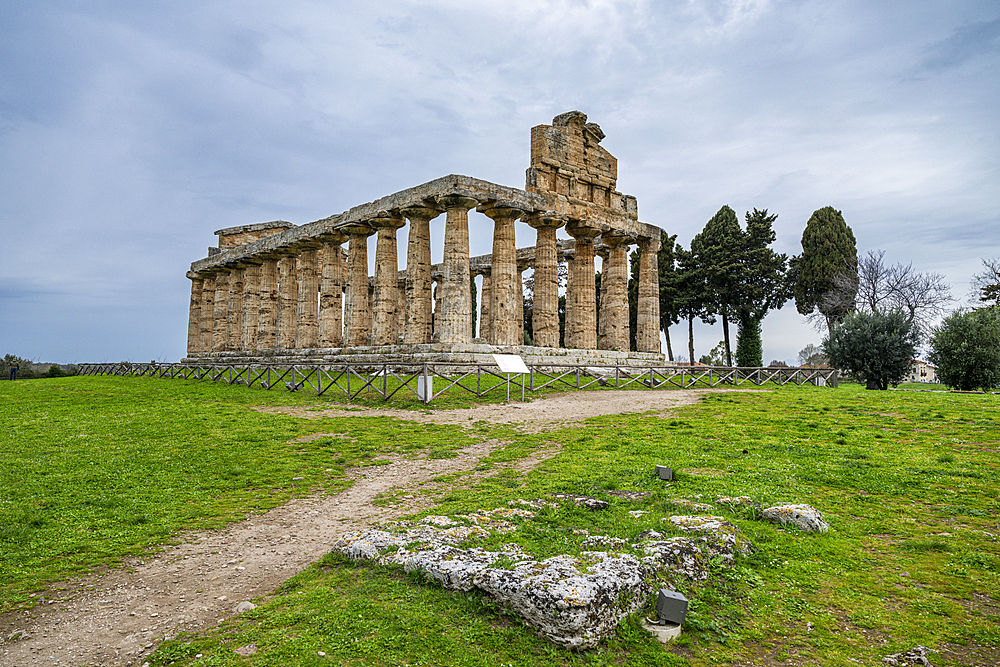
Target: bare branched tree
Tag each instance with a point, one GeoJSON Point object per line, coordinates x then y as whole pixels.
{"type": "Point", "coordinates": [986, 284]}
{"type": "Point", "coordinates": [878, 288]}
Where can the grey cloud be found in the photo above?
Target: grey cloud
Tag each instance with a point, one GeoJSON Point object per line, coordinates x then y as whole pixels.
{"type": "Point", "coordinates": [966, 43]}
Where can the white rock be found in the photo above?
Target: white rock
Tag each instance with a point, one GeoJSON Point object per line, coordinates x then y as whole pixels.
{"type": "Point", "coordinates": [719, 537]}
{"type": "Point", "coordinates": [455, 568]}
{"type": "Point", "coordinates": [570, 603]}
{"type": "Point", "coordinates": [245, 606]}
{"type": "Point", "coordinates": [805, 517]}
{"type": "Point", "coordinates": [679, 555]}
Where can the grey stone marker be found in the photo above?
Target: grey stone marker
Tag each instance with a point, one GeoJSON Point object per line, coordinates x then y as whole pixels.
{"type": "Point", "coordinates": [671, 606]}
{"type": "Point", "coordinates": [665, 473]}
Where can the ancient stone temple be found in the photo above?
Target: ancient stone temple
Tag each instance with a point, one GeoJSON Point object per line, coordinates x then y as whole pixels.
{"type": "Point", "coordinates": [280, 292]}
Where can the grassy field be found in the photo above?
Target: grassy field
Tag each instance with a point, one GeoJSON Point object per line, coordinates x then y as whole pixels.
{"type": "Point", "coordinates": [94, 469]}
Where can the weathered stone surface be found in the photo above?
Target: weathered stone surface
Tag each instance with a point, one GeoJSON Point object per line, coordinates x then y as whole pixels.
{"type": "Point", "coordinates": [267, 324]}
{"type": "Point", "coordinates": [194, 317]}
{"type": "Point", "coordinates": [719, 536]}
{"type": "Point", "coordinates": [614, 294]}
{"type": "Point", "coordinates": [251, 307]}
{"type": "Point", "coordinates": [331, 293]}
{"type": "Point", "coordinates": [506, 299]}
{"type": "Point", "coordinates": [234, 310]}
{"type": "Point", "coordinates": [545, 313]}
{"type": "Point", "coordinates": [676, 555]}
{"type": "Point", "coordinates": [915, 656]}
{"type": "Point", "coordinates": [288, 301]}
{"type": "Point", "coordinates": [648, 309]}
{"type": "Point", "coordinates": [220, 316]}
{"type": "Point", "coordinates": [384, 318]}
{"type": "Point", "coordinates": [307, 312]}
{"type": "Point", "coordinates": [571, 601]}
{"type": "Point", "coordinates": [691, 505]}
{"type": "Point", "coordinates": [805, 517]}
{"type": "Point", "coordinates": [582, 501]}
{"type": "Point", "coordinates": [581, 291]}
{"type": "Point", "coordinates": [206, 328]}
{"type": "Point", "coordinates": [605, 541]}
{"type": "Point", "coordinates": [357, 314]}
{"type": "Point", "coordinates": [456, 301]}
{"type": "Point", "coordinates": [456, 568]}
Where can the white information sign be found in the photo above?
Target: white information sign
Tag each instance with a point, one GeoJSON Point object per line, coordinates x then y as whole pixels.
{"type": "Point", "coordinates": [510, 363]}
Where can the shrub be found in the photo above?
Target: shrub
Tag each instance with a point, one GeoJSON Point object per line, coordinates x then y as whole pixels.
{"type": "Point", "coordinates": [876, 347]}
{"type": "Point", "coordinates": [966, 349]}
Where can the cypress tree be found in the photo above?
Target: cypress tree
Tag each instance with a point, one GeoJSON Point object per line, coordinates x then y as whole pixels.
{"type": "Point", "coordinates": [828, 250]}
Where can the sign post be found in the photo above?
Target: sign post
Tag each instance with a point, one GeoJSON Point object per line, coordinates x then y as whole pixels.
{"type": "Point", "coordinates": [511, 363]}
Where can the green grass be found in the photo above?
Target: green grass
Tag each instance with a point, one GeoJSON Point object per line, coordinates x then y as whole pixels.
{"type": "Point", "coordinates": [909, 482]}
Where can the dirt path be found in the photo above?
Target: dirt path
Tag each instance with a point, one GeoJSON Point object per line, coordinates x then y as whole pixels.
{"type": "Point", "coordinates": [119, 617]}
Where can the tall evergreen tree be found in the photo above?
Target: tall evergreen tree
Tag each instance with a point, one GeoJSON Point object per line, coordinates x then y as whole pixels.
{"type": "Point", "coordinates": [829, 252]}
{"type": "Point", "coordinates": [718, 250]}
{"type": "Point", "coordinates": [667, 263]}
{"type": "Point", "coordinates": [693, 298]}
{"type": "Point", "coordinates": [763, 284]}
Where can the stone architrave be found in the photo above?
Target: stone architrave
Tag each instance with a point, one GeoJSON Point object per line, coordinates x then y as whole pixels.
{"type": "Point", "coordinates": [307, 311]}
{"type": "Point", "coordinates": [331, 292]}
{"type": "Point", "coordinates": [251, 306]}
{"type": "Point", "coordinates": [648, 311]}
{"type": "Point", "coordinates": [194, 316]}
{"type": "Point", "coordinates": [357, 314]}
{"type": "Point", "coordinates": [614, 294]}
{"type": "Point", "coordinates": [456, 300]}
{"type": "Point", "coordinates": [504, 311]}
{"type": "Point", "coordinates": [220, 316]}
{"type": "Point", "coordinates": [545, 307]}
{"type": "Point", "coordinates": [206, 327]}
{"type": "Point", "coordinates": [485, 302]}
{"type": "Point", "coordinates": [234, 311]}
{"type": "Point", "coordinates": [384, 318]}
{"type": "Point", "coordinates": [581, 296]}
{"type": "Point", "coordinates": [288, 300]}
{"type": "Point", "coordinates": [267, 320]}
{"type": "Point", "coordinates": [418, 328]}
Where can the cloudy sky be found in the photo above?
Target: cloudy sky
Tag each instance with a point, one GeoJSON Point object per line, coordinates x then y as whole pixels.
{"type": "Point", "coordinates": [130, 131]}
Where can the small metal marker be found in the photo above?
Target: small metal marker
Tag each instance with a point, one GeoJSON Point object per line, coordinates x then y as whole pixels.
{"type": "Point", "coordinates": [671, 607]}
{"type": "Point", "coordinates": [665, 473]}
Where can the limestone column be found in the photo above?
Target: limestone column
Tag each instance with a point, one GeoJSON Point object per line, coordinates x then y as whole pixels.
{"type": "Point", "coordinates": [456, 300]}
{"type": "Point", "coordinates": [581, 331]}
{"type": "Point", "coordinates": [251, 306]}
{"type": "Point", "coordinates": [522, 266]}
{"type": "Point", "coordinates": [570, 311]}
{"type": "Point", "coordinates": [545, 308]}
{"type": "Point", "coordinates": [357, 314]}
{"type": "Point", "coordinates": [386, 299]}
{"type": "Point", "coordinates": [288, 300]}
{"type": "Point", "coordinates": [505, 310]}
{"type": "Point", "coordinates": [648, 311]}
{"type": "Point", "coordinates": [307, 310]}
{"type": "Point", "coordinates": [602, 251]}
{"type": "Point", "coordinates": [485, 306]}
{"type": "Point", "coordinates": [267, 320]}
{"type": "Point", "coordinates": [417, 328]}
{"type": "Point", "coordinates": [206, 327]}
{"type": "Point", "coordinates": [331, 292]}
{"type": "Point", "coordinates": [220, 319]}
{"type": "Point", "coordinates": [400, 307]}
{"type": "Point", "coordinates": [194, 315]}
{"type": "Point", "coordinates": [234, 310]}
{"type": "Point", "coordinates": [614, 294]}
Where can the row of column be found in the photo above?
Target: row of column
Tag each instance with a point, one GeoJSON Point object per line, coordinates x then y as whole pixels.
{"type": "Point", "coordinates": [270, 302]}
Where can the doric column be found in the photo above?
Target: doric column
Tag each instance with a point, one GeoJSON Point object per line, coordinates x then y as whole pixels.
{"type": "Point", "coordinates": [648, 312]}
{"type": "Point", "coordinates": [384, 318]}
{"type": "Point", "coordinates": [486, 330]}
{"type": "Point", "coordinates": [220, 320]}
{"type": "Point", "coordinates": [194, 315]}
{"type": "Point", "coordinates": [267, 320]}
{"type": "Point", "coordinates": [206, 327]}
{"type": "Point", "coordinates": [234, 311]}
{"type": "Point", "coordinates": [456, 300]}
{"type": "Point", "coordinates": [614, 294]}
{"type": "Point", "coordinates": [307, 311]}
{"type": "Point", "coordinates": [581, 296]}
{"type": "Point", "coordinates": [417, 328]}
{"type": "Point", "coordinates": [357, 314]}
{"type": "Point", "coordinates": [545, 307]}
{"type": "Point", "coordinates": [569, 312]}
{"type": "Point", "coordinates": [288, 300]}
{"type": "Point", "coordinates": [331, 292]}
{"type": "Point", "coordinates": [505, 310]}
{"type": "Point", "coordinates": [251, 305]}
{"type": "Point", "coordinates": [400, 306]}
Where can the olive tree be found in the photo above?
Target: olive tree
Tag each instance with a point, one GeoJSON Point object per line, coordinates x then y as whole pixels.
{"type": "Point", "coordinates": [966, 349]}
{"type": "Point", "coordinates": [875, 347]}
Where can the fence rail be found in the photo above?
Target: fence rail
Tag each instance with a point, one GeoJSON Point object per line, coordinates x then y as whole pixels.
{"type": "Point", "coordinates": [389, 379]}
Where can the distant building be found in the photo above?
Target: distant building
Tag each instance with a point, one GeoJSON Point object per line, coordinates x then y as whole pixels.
{"type": "Point", "coordinates": [921, 371]}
